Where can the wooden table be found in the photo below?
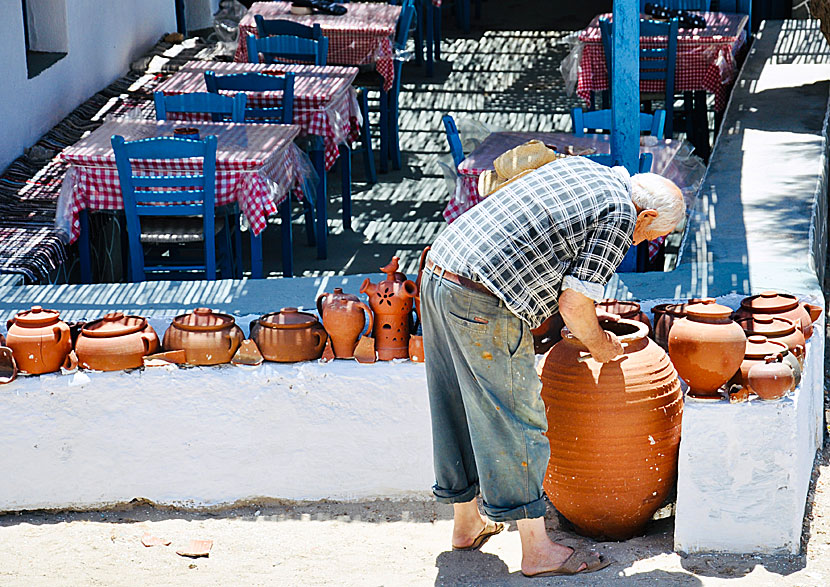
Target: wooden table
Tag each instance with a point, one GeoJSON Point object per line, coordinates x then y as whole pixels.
{"type": "Point", "coordinates": [256, 166]}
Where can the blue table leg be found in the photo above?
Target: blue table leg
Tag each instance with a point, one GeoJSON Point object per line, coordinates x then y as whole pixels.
{"type": "Point", "coordinates": [287, 238]}
{"type": "Point", "coordinates": [436, 12]}
{"type": "Point", "coordinates": [429, 18]}
{"type": "Point", "coordinates": [346, 184]}
{"type": "Point", "coordinates": [318, 160]}
{"type": "Point", "coordinates": [256, 256]}
{"type": "Point", "coordinates": [83, 248]}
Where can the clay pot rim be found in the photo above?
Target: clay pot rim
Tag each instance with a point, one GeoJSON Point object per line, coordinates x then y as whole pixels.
{"type": "Point", "coordinates": [295, 326]}
{"type": "Point", "coordinates": [227, 321]}
{"type": "Point", "coordinates": [788, 326]}
{"type": "Point", "coordinates": [611, 302]}
{"type": "Point", "coordinates": [37, 316]}
{"type": "Point", "coordinates": [784, 306]}
{"type": "Point", "coordinates": [114, 317]}
{"type": "Point", "coordinates": [640, 333]}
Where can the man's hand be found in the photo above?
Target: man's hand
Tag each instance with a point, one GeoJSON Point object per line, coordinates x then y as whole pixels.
{"type": "Point", "coordinates": [580, 316]}
{"type": "Point", "coordinates": [606, 348]}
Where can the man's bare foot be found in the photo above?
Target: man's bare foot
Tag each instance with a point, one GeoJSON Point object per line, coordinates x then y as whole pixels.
{"type": "Point", "coordinates": [539, 552]}
{"type": "Point", "coordinates": [468, 523]}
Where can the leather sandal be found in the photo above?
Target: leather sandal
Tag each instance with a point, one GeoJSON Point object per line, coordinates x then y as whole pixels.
{"type": "Point", "coordinates": [490, 529]}
{"type": "Point", "coordinates": [572, 564]}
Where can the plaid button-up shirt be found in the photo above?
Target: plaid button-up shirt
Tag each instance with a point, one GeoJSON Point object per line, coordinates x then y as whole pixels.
{"type": "Point", "coordinates": [566, 225]}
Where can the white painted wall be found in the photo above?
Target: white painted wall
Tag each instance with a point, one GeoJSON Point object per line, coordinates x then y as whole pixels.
{"type": "Point", "coordinates": [103, 37]}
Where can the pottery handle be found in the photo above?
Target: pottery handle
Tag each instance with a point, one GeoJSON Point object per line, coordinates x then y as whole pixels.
{"type": "Point", "coordinates": [320, 300]}
{"type": "Point", "coordinates": [798, 351]}
{"type": "Point", "coordinates": [235, 337]}
{"type": "Point", "coordinates": [9, 323]}
{"type": "Point", "coordinates": [322, 337]}
{"type": "Point", "coordinates": [371, 316]}
{"type": "Point", "coordinates": [61, 334]}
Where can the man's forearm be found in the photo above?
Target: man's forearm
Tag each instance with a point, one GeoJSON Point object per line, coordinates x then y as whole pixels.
{"type": "Point", "coordinates": [580, 317]}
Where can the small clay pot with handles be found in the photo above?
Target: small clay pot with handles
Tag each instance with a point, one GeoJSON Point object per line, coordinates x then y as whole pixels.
{"type": "Point", "coordinates": [207, 337]}
{"type": "Point", "coordinates": [115, 342]}
{"type": "Point", "coordinates": [39, 340]}
{"type": "Point", "coordinates": [758, 348]}
{"type": "Point", "coordinates": [772, 379]}
{"type": "Point", "coordinates": [344, 320]}
{"type": "Point", "coordinates": [289, 336]}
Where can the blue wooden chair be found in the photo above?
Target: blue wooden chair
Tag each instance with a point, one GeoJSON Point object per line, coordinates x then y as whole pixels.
{"type": "Point", "coordinates": [655, 64]}
{"type": "Point", "coordinates": [258, 82]}
{"type": "Point", "coordinates": [605, 159]}
{"type": "Point", "coordinates": [392, 149]}
{"type": "Point", "coordinates": [453, 139]}
{"type": "Point", "coordinates": [601, 120]}
{"type": "Point", "coordinates": [183, 203]}
{"type": "Point", "coordinates": [286, 48]}
{"type": "Point", "coordinates": [736, 7]}
{"type": "Point", "coordinates": [700, 5]}
{"type": "Point", "coordinates": [277, 27]}
{"type": "Point", "coordinates": [219, 107]}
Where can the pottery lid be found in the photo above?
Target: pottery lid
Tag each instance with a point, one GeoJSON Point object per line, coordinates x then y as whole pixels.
{"type": "Point", "coordinates": [758, 347]}
{"type": "Point", "coordinates": [203, 320]}
{"type": "Point", "coordinates": [767, 325]}
{"type": "Point", "coordinates": [114, 324]}
{"type": "Point", "coordinates": [769, 301]}
{"type": "Point", "coordinates": [707, 308]}
{"type": "Point", "coordinates": [288, 318]}
{"type": "Point", "coordinates": [36, 316]}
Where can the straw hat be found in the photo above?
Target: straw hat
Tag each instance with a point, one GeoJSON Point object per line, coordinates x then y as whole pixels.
{"type": "Point", "coordinates": [496, 183]}
{"type": "Point", "coordinates": [531, 155]}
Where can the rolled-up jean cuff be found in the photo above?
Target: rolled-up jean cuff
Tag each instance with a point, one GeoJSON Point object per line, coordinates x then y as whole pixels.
{"type": "Point", "coordinates": [534, 509]}
{"type": "Point", "coordinates": [450, 496]}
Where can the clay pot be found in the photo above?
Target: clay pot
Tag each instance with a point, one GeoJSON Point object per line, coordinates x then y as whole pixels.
{"type": "Point", "coordinates": [115, 342]}
{"type": "Point", "coordinates": [771, 379]}
{"type": "Point", "coordinates": [666, 314]}
{"type": "Point", "coordinates": [706, 347]}
{"type": "Point", "coordinates": [39, 340]}
{"type": "Point", "coordinates": [207, 337]}
{"type": "Point", "coordinates": [614, 431]}
{"type": "Point", "coordinates": [289, 336]}
{"type": "Point", "coordinates": [391, 301]}
{"type": "Point", "coordinates": [782, 305]}
{"type": "Point", "coordinates": [416, 348]}
{"type": "Point", "coordinates": [776, 328]}
{"type": "Point", "coordinates": [758, 348]}
{"type": "Point", "coordinates": [627, 310]}
{"type": "Point", "coordinates": [8, 366]}
{"type": "Point", "coordinates": [343, 319]}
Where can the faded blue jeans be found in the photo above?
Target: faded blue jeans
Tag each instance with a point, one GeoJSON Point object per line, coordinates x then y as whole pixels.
{"type": "Point", "coordinates": [488, 418]}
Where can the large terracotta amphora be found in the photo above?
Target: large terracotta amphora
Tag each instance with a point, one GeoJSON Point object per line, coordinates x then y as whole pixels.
{"type": "Point", "coordinates": [39, 340]}
{"type": "Point", "coordinates": [343, 318]}
{"type": "Point", "coordinates": [614, 431]}
{"type": "Point", "coordinates": [391, 301]}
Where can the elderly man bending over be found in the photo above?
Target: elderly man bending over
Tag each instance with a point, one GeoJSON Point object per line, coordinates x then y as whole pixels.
{"type": "Point", "coordinates": [545, 244]}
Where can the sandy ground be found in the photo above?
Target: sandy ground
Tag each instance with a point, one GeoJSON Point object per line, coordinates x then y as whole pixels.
{"type": "Point", "coordinates": [373, 543]}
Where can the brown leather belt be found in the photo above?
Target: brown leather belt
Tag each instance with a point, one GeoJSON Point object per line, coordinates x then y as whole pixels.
{"type": "Point", "coordinates": [458, 279]}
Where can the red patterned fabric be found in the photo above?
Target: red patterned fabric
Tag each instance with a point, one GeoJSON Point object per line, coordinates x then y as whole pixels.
{"type": "Point", "coordinates": [325, 103]}
{"type": "Point", "coordinates": [705, 58]}
{"type": "Point", "coordinates": [362, 36]}
{"type": "Point", "coordinates": [256, 165]}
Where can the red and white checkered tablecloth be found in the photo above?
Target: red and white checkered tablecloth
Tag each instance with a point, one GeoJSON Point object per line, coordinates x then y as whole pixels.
{"type": "Point", "coordinates": [705, 57]}
{"type": "Point", "coordinates": [671, 159]}
{"type": "Point", "coordinates": [325, 103]}
{"type": "Point", "coordinates": [361, 36]}
{"type": "Point", "coordinates": [256, 166]}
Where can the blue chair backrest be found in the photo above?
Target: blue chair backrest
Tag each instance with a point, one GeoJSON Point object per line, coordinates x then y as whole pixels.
{"type": "Point", "coordinates": [219, 107]}
{"type": "Point", "coordinates": [404, 23]}
{"type": "Point", "coordinates": [454, 139]}
{"type": "Point", "coordinates": [270, 28]}
{"type": "Point", "coordinates": [258, 82]}
{"type": "Point", "coordinates": [186, 194]}
{"type": "Point", "coordinates": [287, 48]}
{"type": "Point", "coordinates": [601, 120]}
{"type": "Point", "coordinates": [605, 159]}
{"type": "Point", "coordinates": [698, 5]}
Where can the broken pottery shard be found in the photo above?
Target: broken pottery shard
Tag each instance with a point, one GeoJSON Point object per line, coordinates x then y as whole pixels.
{"type": "Point", "coordinates": [8, 368]}
{"type": "Point", "coordinates": [165, 358]}
{"type": "Point", "coordinates": [196, 548]}
{"type": "Point", "coordinates": [248, 354]}
{"type": "Point", "coordinates": [365, 350]}
{"type": "Point", "coordinates": [328, 353]}
{"type": "Point", "coordinates": [150, 540]}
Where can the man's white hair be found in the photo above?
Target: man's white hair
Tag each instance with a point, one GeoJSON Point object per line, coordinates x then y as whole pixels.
{"type": "Point", "coordinates": [650, 191]}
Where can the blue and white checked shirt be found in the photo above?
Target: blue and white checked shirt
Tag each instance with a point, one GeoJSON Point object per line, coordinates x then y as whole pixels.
{"type": "Point", "coordinates": [566, 225]}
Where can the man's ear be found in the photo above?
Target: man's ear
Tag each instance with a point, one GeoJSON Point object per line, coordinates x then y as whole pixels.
{"type": "Point", "coordinates": [646, 216]}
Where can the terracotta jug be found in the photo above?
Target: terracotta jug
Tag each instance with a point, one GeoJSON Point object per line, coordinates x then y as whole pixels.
{"type": "Point", "coordinates": [416, 348]}
{"type": "Point", "coordinates": [391, 301]}
{"type": "Point", "coordinates": [706, 347]}
{"type": "Point", "coordinates": [115, 342]}
{"type": "Point", "coordinates": [207, 337]}
{"type": "Point", "coordinates": [666, 314]}
{"type": "Point", "coordinates": [772, 379]}
{"type": "Point", "coordinates": [758, 348]}
{"type": "Point", "coordinates": [778, 329]}
{"type": "Point", "coordinates": [39, 340]}
{"type": "Point", "coordinates": [289, 336]}
{"type": "Point", "coordinates": [778, 304]}
{"type": "Point", "coordinates": [343, 319]}
{"type": "Point", "coordinates": [625, 309]}
{"type": "Point", "coordinates": [614, 431]}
